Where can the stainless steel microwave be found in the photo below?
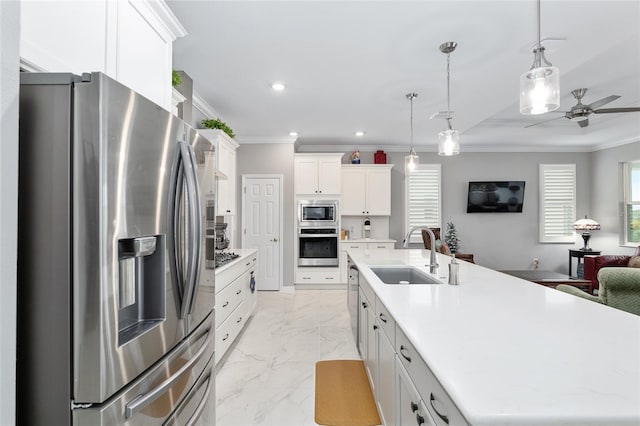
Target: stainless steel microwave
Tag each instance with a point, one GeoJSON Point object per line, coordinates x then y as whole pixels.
{"type": "Point", "coordinates": [317, 213]}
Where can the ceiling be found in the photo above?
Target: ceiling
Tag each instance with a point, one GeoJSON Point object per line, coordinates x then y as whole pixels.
{"type": "Point", "coordinates": [348, 65]}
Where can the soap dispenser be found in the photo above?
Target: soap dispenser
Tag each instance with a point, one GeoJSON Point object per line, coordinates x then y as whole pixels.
{"type": "Point", "coordinates": [454, 267]}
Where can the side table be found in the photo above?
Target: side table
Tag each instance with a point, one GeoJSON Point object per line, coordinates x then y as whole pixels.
{"type": "Point", "coordinates": [580, 254]}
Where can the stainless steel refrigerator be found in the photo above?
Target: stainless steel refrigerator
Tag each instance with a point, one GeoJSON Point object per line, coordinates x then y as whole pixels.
{"type": "Point", "coordinates": [115, 300]}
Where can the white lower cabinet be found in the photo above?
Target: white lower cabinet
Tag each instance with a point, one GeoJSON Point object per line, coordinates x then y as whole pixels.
{"type": "Point", "coordinates": [385, 357]}
{"type": "Point", "coordinates": [351, 245]}
{"type": "Point", "coordinates": [310, 275]}
{"type": "Point", "coordinates": [410, 409]}
{"type": "Point", "coordinates": [235, 301]}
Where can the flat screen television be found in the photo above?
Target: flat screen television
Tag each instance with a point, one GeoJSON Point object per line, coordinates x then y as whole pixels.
{"type": "Point", "coordinates": [495, 197]}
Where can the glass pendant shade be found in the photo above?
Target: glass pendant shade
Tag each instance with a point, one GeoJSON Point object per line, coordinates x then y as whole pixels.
{"type": "Point", "coordinates": [448, 143]}
{"type": "Point", "coordinates": [411, 161]}
{"type": "Point", "coordinates": [540, 90]}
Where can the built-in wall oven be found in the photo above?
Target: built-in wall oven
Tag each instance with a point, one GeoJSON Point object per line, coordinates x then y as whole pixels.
{"type": "Point", "coordinates": [317, 213]}
{"type": "Point", "coordinates": [317, 246]}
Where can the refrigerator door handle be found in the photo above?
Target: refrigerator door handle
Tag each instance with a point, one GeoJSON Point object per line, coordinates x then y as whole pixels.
{"type": "Point", "coordinates": [197, 236]}
{"type": "Point", "coordinates": [194, 226]}
{"type": "Point", "coordinates": [205, 400]}
{"type": "Point", "coordinates": [141, 401]}
{"type": "Point", "coordinates": [175, 243]}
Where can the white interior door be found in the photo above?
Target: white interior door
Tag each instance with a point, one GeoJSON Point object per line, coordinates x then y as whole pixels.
{"type": "Point", "coordinates": [262, 217]}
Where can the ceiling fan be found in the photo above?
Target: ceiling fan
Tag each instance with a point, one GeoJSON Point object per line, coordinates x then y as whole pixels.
{"type": "Point", "coordinates": [580, 112]}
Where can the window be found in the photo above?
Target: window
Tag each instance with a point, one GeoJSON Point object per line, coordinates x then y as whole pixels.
{"type": "Point", "coordinates": [557, 203]}
{"type": "Point", "coordinates": [631, 177]}
{"type": "Point", "coordinates": [423, 199]}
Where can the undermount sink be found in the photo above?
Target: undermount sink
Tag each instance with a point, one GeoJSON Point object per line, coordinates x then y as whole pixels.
{"type": "Point", "coordinates": [402, 275]}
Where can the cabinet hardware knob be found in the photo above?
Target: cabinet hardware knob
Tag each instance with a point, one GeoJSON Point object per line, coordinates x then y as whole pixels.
{"type": "Point", "coordinates": [442, 416]}
{"type": "Point", "coordinates": [239, 319]}
{"type": "Point", "coordinates": [383, 318]}
{"type": "Point", "coordinates": [225, 304]}
{"type": "Point", "coordinates": [247, 264]}
{"type": "Point", "coordinates": [375, 327]}
{"type": "Point", "coordinates": [414, 407]}
{"type": "Point", "coordinates": [402, 350]}
{"type": "Point", "coordinates": [364, 305]}
{"type": "Point", "coordinates": [228, 211]}
{"type": "Point", "coordinates": [226, 336]}
{"type": "Point", "coordinates": [239, 291]}
{"type": "Point", "coordinates": [419, 419]}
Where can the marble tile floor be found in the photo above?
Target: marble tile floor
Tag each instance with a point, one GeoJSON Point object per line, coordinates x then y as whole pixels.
{"type": "Point", "coordinates": [268, 376]}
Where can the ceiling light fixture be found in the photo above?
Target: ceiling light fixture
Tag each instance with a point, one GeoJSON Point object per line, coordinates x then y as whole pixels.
{"type": "Point", "coordinates": [278, 87]}
{"type": "Point", "coordinates": [448, 140]}
{"type": "Point", "coordinates": [411, 160]}
{"type": "Point", "coordinates": [293, 133]}
{"type": "Point", "coordinates": [540, 86]}
{"type": "Point", "coordinates": [359, 133]}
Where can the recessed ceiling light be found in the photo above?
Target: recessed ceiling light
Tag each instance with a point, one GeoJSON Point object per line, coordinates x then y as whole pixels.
{"type": "Point", "coordinates": [359, 133]}
{"type": "Point", "coordinates": [293, 133]}
{"type": "Point", "coordinates": [277, 86]}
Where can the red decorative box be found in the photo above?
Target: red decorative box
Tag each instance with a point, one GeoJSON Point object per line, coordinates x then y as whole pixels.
{"type": "Point", "coordinates": [379, 157]}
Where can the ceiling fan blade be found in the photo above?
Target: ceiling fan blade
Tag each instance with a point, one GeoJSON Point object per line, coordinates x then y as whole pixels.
{"type": "Point", "coordinates": [611, 110]}
{"type": "Point", "coordinates": [583, 123]}
{"type": "Point", "coordinates": [603, 101]}
{"type": "Point", "coordinates": [541, 122]}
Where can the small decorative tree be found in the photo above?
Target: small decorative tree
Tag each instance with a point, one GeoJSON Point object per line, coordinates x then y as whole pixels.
{"type": "Point", "coordinates": [451, 237]}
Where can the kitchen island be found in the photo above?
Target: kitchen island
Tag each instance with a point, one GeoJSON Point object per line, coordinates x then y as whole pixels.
{"type": "Point", "coordinates": [509, 351]}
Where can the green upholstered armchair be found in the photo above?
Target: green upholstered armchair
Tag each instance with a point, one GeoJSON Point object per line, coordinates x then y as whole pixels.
{"type": "Point", "coordinates": [619, 288]}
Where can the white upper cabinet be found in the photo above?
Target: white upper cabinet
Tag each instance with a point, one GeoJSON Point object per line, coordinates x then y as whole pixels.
{"type": "Point", "coordinates": [317, 174]}
{"type": "Point", "coordinates": [130, 41]}
{"type": "Point", "coordinates": [226, 170]}
{"type": "Point", "coordinates": [366, 190]}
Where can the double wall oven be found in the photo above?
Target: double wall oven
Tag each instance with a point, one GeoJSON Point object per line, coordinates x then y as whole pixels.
{"type": "Point", "coordinates": [318, 233]}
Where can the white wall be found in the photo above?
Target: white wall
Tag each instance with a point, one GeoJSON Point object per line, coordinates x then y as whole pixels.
{"type": "Point", "coordinates": [9, 92]}
{"type": "Point", "coordinates": [497, 240]}
{"type": "Point", "coordinates": [271, 159]}
{"type": "Point", "coordinates": [606, 207]}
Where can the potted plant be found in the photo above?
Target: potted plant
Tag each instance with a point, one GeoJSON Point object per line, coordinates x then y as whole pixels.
{"type": "Point", "coordinates": [176, 78]}
{"type": "Point", "coordinates": [216, 123]}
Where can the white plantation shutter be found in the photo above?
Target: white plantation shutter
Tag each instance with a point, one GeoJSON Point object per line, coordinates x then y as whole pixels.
{"type": "Point", "coordinates": [557, 203]}
{"type": "Point", "coordinates": [423, 199]}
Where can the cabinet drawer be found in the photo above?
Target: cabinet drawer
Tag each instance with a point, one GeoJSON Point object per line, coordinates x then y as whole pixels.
{"type": "Point", "coordinates": [228, 299]}
{"type": "Point", "coordinates": [378, 246]}
{"type": "Point", "coordinates": [228, 331]}
{"type": "Point", "coordinates": [386, 321]}
{"type": "Point", "coordinates": [318, 277]}
{"type": "Point", "coordinates": [437, 402]}
{"type": "Point", "coordinates": [353, 246]}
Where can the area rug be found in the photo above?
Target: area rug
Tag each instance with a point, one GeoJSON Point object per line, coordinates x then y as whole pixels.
{"type": "Point", "coordinates": [343, 394]}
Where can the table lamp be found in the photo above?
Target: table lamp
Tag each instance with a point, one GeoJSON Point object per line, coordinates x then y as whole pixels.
{"type": "Point", "coordinates": [586, 225]}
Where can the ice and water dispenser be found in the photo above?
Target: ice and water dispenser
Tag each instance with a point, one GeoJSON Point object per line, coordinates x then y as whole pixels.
{"type": "Point", "coordinates": [141, 285]}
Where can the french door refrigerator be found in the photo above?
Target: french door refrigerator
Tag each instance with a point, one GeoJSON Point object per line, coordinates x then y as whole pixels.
{"type": "Point", "coordinates": [115, 302]}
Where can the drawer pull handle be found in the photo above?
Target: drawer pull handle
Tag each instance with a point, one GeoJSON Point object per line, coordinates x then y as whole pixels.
{"type": "Point", "coordinates": [306, 278]}
{"type": "Point", "coordinates": [226, 336]}
{"type": "Point", "coordinates": [254, 259]}
{"type": "Point", "coordinates": [419, 419]}
{"type": "Point", "coordinates": [239, 319]}
{"type": "Point", "coordinates": [239, 291]}
{"type": "Point", "coordinates": [225, 304]}
{"type": "Point", "coordinates": [402, 350]}
{"type": "Point", "coordinates": [247, 264]}
{"type": "Point", "coordinates": [381, 247]}
{"type": "Point", "coordinates": [328, 278]}
{"type": "Point", "coordinates": [414, 407]}
{"type": "Point", "coordinates": [442, 416]}
{"type": "Point", "coordinates": [383, 318]}
{"type": "Point", "coordinates": [375, 327]}
{"type": "Point", "coordinates": [364, 305]}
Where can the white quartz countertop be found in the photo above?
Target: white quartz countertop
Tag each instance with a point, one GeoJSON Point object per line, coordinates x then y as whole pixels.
{"type": "Point", "coordinates": [244, 253]}
{"type": "Point", "coordinates": [508, 351]}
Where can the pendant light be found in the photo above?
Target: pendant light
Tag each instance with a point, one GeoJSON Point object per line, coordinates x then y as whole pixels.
{"type": "Point", "coordinates": [411, 160]}
{"type": "Point", "coordinates": [448, 143]}
{"type": "Point", "coordinates": [540, 86]}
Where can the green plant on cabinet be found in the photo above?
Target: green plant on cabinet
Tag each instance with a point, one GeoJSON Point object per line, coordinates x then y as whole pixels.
{"type": "Point", "coordinates": [217, 124]}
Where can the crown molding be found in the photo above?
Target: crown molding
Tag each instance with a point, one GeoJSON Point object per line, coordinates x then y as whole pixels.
{"type": "Point", "coordinates": [266, 140]}
{"type": "Point", "coordinates": [201, 105]}
{"type": "Point", "coordinates": [615, 144]}
{"type": "Point", "coordinates": [163, 16]}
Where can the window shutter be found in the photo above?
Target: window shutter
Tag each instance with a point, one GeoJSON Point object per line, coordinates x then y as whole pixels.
{"type": "Point", "coordinates": [557, 203]}
{"type": "Point", "coordinates": [631, 217]}
{"type": "Point", "coordinates": [423, 199]}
